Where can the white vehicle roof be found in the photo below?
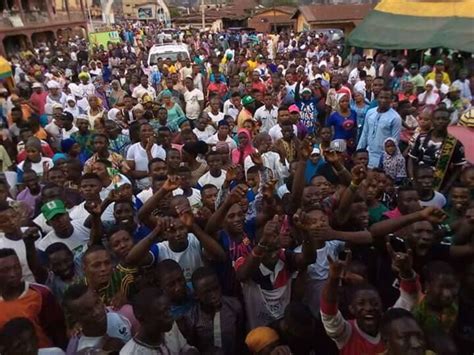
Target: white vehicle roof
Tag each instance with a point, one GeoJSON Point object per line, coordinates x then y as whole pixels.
{"type": "Point", "coordinates": [167, 51]}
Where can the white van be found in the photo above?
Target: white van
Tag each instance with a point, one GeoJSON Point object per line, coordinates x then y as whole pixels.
{"type": "Point", "coordinates": [167, 51]}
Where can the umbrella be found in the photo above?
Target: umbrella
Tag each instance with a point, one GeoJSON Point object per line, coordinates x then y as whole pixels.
{"type": "Point", "coordinates": [5, 68]}
{"type": "Point", "coordinates": [465, 134]}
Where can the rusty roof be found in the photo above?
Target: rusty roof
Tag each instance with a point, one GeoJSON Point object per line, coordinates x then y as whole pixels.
{"type": "Point", "coordinates": [331, 13]}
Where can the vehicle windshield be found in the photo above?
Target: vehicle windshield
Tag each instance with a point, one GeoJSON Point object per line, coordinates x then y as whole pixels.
{"type": "Point", "coordinates": [172, 55]}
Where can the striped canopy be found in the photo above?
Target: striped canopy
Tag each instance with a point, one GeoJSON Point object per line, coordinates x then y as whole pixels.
{"type": "Point", "coordinates": [417, 24]}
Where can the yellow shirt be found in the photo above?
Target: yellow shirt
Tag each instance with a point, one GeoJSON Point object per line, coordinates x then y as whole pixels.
{"type": "Point", "coordinates": [251, 65]}
{"type": "Point", "coordinates": [243, 116]}
{"type": "Point", "coordinates": [446, 79]}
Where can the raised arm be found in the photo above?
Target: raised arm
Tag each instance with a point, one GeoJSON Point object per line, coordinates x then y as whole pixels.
{"type": "Point", "coordinates": [358, 174]}
{"type": "Point", "coordinates": [145, 214]}
{"type": "Point", "coordinates": [39, 271]}
{"type": "Point", "coordinates": [388, 226]}
{"type": "Point", "coordinates": [215, 221]}
{"type": "Point", "coordinates": [211, 247]}
{"type": "Point", "coordinates": [95, 210]}
{"type": "Point", "coordinates": [299, 180]}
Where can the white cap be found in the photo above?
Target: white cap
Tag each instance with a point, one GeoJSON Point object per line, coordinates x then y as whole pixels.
{"type": "Point", "coordinates": [316, 150]}
{"type": "Point", "coordinates": [37, 85]}
{"type": "Point", "coordinates": [53, 84]}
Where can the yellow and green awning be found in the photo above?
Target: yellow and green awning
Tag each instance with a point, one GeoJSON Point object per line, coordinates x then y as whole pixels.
{"type": "Point", "coordinates": [417, 24]}
{"type": "Point", "coordinates": [5, 68]}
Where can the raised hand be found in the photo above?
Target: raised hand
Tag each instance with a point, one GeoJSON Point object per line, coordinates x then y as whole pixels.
{"type": "Point", "coordinates": [359, 173]}
{"type": "Point", "coordinates": [331, 156]}
{"type": "Point", "coordinates": [433, 215]}
{"type": "Point", "coordinates": [337, 268]}
{"type": "Point", "coordinates": [93, 207]}
{"type": "Point", "coordinates": [238, 194]}
{"type": "Point", "coordinates": [31, 235]}
{"type": "Point", "coordinates": [149, 144]}
{"type": "Point", "coordinates": [401, 262]}
{"type": "Point", "coordinates": [257, 158]}
{"type": "Point", "coordinates": [305, 149]}
{"type": "Point", "coordinates": [268, 189]}
{"type": "Point", "coordinates": [172, 183]}
{"type": "Point", "coordinates": [185, 215]}
{"type": "Point", "coordinates": [271, 230]}
{"type": "Point", "coordinates": [231, 173]}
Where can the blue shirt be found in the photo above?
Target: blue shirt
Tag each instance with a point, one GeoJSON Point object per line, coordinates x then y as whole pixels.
{"type": "Point", "coordinates": [344, 127]}
{"type": "Point", "coordinates": [379, 126]}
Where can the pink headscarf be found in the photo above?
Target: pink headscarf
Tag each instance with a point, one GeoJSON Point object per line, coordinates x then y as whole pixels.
{"type": "Point", "coordinates": [239, 154]}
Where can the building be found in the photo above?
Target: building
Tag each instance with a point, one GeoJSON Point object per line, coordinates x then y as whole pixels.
{"type": "Point", "coordinates": [26, 22]}
{"type": "Point", "coordinates": [146, 10]}
{"type": "Point", "coordinates": [344, 17]}
{"type": "Point", "coordinates": [275, 19]}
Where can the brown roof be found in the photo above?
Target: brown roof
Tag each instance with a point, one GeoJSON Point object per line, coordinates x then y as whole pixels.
{"type": "Point", "coordinates": [290, 10]}
{"type": "Point", "coordinates": [333, 13]}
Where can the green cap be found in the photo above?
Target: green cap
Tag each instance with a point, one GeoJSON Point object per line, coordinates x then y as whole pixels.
{"type": "Point", "coordinates": [53, 208]}
{"type": "Point", "coordinates": [439, 62]}
{"type": "Point", "coordinates": [247, 100]}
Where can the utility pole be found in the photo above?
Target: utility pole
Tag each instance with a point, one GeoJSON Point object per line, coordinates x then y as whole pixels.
{"type": "Point", "coordinates": [203, 14]}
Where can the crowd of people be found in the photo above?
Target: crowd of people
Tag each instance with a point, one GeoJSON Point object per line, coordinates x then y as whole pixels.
{"type": "Point", "coordinates": [270, 194]}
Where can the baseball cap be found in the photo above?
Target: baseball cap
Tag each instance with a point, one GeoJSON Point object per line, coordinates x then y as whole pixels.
{"type": "Point", "coordinates": [293, 108]}
{"type": "Point", "coordinates": [316, 150]}
{"type": "Point", "coordinates": [338, 145]}
{"type": "Point", "coordinates": [36, 85]}
{"type": "Point", "coordinates": [247, 100]}
{"type": "Point", "coordinates": [260, 337]}
{"type": "Point", "coordinates": [439, 62]}
{"type": "Point", "coordinates": [53, 208]}
{"type": "Point", "coordinates": [308, 90]}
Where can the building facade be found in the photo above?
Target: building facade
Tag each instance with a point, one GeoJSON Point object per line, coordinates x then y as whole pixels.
{"type": "Point", "coordinates": [26, 22]}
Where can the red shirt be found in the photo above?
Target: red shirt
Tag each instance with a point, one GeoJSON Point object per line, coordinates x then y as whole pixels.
{"type": "Point", "coordinates": [220, 89]}
{"type": "Point", "coordinates": [259, 86]}
{"type": "Point", "coordinates": [39, 101]}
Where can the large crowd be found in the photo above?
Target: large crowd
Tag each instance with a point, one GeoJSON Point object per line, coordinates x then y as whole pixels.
{"type": "Point", "coordinates": [270, 194]}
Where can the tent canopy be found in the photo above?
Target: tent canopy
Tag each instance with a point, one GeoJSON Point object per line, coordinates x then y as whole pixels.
{"type": "Point", "coordinates": [417, 24]}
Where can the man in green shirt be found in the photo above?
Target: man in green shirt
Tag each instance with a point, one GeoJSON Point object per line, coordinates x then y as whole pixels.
{"type": "Point", "coordinates": [416, 78]}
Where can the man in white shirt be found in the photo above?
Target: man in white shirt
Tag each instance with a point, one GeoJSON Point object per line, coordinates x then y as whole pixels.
{"type": "Point", "coordinates": [203, 130]}
{"type": "Point", "coordinates": [354, 74]}
{"type": "Point", "coordinates": [214, 113]}
{"type": "Point", "coordinates": [222, 135]}
{"type": "Point", "coordinates": [267, 114]}
{"type": "Point", "coordinates": [72, 233]}
{"type": "Point", "coordinates": [144, 88]}
{"type": "Point", "coordinates": [276, 163]}
{"type": "Point", "coordinates": [97, 323]}
{"type": "Point", "coordinates": [233, 105]}
{"type": "Point", "coordinates": [193, 98]}
{"type": "Point", "coordinates": [283, 116]}
{"type": "Point", "coordinates": [369, 67]}
{"type": "Point", "coordinates": [159, 333]}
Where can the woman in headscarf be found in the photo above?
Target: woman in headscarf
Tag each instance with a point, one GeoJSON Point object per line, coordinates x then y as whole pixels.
{"type": "Point", "coordinates": [392, 161]}
{"type": "Point", "coordinates": [95, 112]}
{"type": "Point", "coordinates": [72, 107]}
{"type": "Point", "coordinates": [175, 112]}
{"type": "Point", "coordinates": [34, 159]}
{"type": "Point", "coordinates": [344, 122]}
{"type": "Point", "coordinates": [117, 94]}
{"type": "Point", "coordinates": [428, 97]}
{"type": "Point", "coordinates": [360, 107]}
{"type": "Point", "coordinates": [244, 148]}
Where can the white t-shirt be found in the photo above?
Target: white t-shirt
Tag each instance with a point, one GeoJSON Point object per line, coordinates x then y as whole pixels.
{"type": "Point", "coordinates": [275, 132]}
{"type": "Point", "coordinates": [174, 344]}
{"type": "Point", "coordinates": [216, 118]}
{"type": "Point", "coordinates": [192, 98]}
{"type": "Point", "coordinates": [212, 140]}
{"type": "Point", "coordinates": [204, 135]}
{"type": "Point", "coordinates": [106, 190]}
{"type": "Point", "coordinates": [79, 212]}
{"type": "Point", "coordinates": [207, 178]}
{"type": "Point", "coordinates": [77, 242]}
{"type": "Point", "coordinates": [144, 195]}
{"type": "Point", "coordinates": [37, 167]}
{"type": "Point", "coordinates": [268, 118]}
{"type": "Point", "coordinates": [194, 199]}
{"type": "Point", "coordinates": [438, 200]}
{"type": "Point", "coordinates": [138, 154]}
{"type": "Point", "coordinates": [117, 327]}
{"type": "Point", "coordinates": [189, 259]}
{"type": "Point", "coordinates": [19, 247]}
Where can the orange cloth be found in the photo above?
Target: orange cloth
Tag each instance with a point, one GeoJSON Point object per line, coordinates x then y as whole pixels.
{"type": "Point", "coordinates": [28, 305]}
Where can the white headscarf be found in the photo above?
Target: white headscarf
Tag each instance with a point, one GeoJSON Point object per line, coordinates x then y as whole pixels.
{"type": "Point", "coordinates": [112, 114]}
